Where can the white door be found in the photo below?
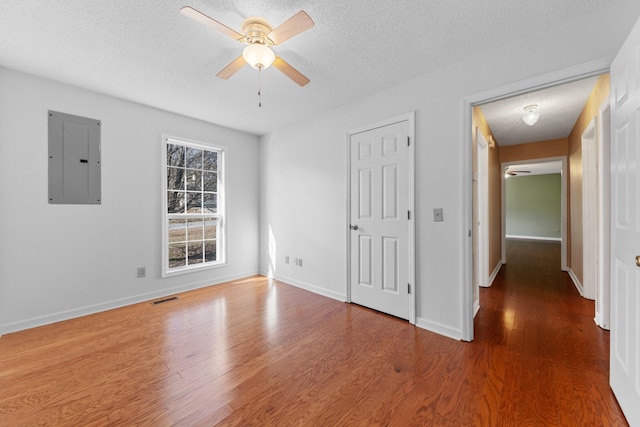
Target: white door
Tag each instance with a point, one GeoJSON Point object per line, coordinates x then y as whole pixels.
{"type": "Point", "coordinates": [625, 227]}
{"type": "Point", "coordinates": [379, 219]}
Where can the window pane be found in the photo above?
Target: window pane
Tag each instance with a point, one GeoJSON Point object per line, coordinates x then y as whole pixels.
{"type": "Point", "coordinates": [210, 228]}
{"type": "Point", "coordinates": [177, 255]}
{"type": "Point", "coordinates": [175, 155]}
{"type": "Point", "coordinates": [194, 158]}
{"type": "Point", "coordinates": [194, 202]}
{"type": "Point", "coordinates": [210, 250]}
{"type": "Point", "coordinates": [175, 201]}
{"type": "Point", "coordinates": [177, 230]}
{"type": "Point", "coordinates": [194, 180]}
{"type": "Point", "coordinates": [195, 253]}
{"type": "Point", "coordinates": [195, 229]}
{"type": "Point", "coordinates": [193, 187]}
{"type": "Point", "coordinates": [210, 161]}
{"type": "Point", "coordinates": [210, 181]}
{"type": "Point", "coordinates": [210, 203]}
{"type": "Point", "coordinates": [175, 179]}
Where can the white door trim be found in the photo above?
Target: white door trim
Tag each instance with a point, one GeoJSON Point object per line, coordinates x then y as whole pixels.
{"type": "Point", "coordinates": [577, 72]}
{"type": "Point", "coordinates": [482, 225]}
{"type": "Point", "coordinates": [590, 209]}
{"type": "Point", "coordinates": [603, 295]}
{"type": "Point", "coordinates": [410, 118]}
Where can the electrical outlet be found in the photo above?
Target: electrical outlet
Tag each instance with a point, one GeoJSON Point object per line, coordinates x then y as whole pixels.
{"type": "Point", "coordinates": [299, 262]}
{"type": "Point", "coordinates": [142, 272]}
{"type": "Point", "coordinates": [286, 259]}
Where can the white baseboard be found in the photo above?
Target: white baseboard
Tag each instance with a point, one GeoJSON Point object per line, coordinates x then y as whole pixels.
{"type": "Point", "coordinates": [495, 272]}
{"type": "Point", "coordinates": [311, 288]}
{"type": "Point", "coordinates": [476, 308]}
{"type": "Point", "coordinates": [599, 321]}
{"type": "Point", "coordinates": [110, 305]}
{"type": "Point", "coordinates": [439, 328]}
{"type": "Point", "coordinates": [575, 281]}
{"type": "Point", "coordinates": [265, 273]}
{"type": "Point", "coordinates": [552, 239]}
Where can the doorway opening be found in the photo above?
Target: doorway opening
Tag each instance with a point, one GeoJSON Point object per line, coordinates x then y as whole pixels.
{"type": "Point", "coordinates": [536, 147]}
{"type": "Point", "coordinates": [534, 203]}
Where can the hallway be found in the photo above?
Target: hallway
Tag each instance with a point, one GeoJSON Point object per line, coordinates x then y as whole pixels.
{"type": "Point", "coordinates": [555, 359]}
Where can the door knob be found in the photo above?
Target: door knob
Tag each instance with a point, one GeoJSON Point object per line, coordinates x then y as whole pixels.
{"type": "Point", "coordinates": [353, 226]}
{"type": "Point", "coordinates": [638, 260]}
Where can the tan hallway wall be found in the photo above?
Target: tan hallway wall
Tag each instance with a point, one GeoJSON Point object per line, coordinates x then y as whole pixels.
{"type": "Point", "coordinates": [590, 110]}
{"type": "Point", "coordinates": [494, 190]}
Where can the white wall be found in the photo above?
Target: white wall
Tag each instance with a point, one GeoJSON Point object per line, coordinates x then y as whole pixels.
{"type": "Point", "coordinates": [303, 176]}
{"type": "Point", "coordinates": [61, 261]}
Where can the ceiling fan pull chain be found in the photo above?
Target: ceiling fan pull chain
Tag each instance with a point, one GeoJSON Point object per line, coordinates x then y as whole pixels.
{"type": "Point", "coordinates": [259, 83]}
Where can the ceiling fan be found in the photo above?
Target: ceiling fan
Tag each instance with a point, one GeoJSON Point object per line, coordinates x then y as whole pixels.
{"type": "Point", "coordinates": [510, 172]}
{"type": "Point", "coordinates": [259, 36]}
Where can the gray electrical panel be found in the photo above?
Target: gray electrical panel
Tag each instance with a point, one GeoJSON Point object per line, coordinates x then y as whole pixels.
{"type": "Point", "coordinates": [74, 159]}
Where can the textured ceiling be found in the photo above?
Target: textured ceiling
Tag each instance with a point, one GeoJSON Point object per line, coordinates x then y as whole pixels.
{"type": "Point", "coordinates": [559, 108]}
{"type": "Point", "coordinates": [146, 51]}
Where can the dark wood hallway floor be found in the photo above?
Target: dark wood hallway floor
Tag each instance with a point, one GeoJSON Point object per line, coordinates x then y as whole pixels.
{"type": "Point", "coordinates": [259, 353]}
{"type": "Point", "coordinates": [553, 359]}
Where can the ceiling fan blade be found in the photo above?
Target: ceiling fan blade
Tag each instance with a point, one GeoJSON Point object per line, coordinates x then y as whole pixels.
{"type": "Point", "coordinates": [521, 171]}
{"type": "Point", "coordinates": [232, 68]}
{"type": "Point", "coordinates": [293, 26]}
{"type": "Point", "coordinates": [290, 72]}
{"type": "Point", "coordinates": [210, 22]}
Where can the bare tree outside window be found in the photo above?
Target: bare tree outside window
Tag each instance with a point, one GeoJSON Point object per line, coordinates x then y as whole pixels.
{"type": "Point", "coordinates": [192, 205]}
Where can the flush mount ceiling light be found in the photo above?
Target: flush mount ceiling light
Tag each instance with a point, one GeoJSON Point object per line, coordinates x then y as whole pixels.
{"type": "Point", "coordinates": [531, 114]}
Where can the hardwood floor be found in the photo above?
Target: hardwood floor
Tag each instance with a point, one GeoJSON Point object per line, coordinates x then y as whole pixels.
{"type": "Point", "coordinates": [256, 352]}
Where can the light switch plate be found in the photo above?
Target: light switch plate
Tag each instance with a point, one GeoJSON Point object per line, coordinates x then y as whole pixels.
{"type": "Point", "coordinates": [437, 215]}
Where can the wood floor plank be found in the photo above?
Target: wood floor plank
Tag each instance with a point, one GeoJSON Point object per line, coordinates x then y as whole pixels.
{"type": "Point", "coordinates": [259, 352]}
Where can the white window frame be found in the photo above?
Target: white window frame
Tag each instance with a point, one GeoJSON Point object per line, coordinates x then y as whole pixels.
{"type": "Point", "coordinates": [221, 234]}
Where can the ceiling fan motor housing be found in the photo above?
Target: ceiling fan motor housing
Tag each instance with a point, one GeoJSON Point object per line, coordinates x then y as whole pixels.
{"type": "Point", "coordinates": [256, 30]}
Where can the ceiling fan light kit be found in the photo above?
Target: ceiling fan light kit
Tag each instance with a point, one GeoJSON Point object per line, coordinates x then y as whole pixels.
{"type": "Point", "coordinates": [258, 56]}
{"type": "Point", "coordinates": [259, 37]}
{"type": "Point", "coordinates": [531, 114]}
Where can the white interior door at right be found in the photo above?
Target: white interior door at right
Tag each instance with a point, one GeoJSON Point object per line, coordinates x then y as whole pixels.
{"type": "Point", "coordinates": [625, 227]}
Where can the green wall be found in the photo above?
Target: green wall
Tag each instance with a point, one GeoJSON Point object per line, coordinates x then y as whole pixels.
{"type": "Point", "coordinates": [533, 206]}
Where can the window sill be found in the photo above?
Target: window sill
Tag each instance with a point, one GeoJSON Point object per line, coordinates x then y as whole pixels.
{"type": "Point", "coordinates": [192, 269]}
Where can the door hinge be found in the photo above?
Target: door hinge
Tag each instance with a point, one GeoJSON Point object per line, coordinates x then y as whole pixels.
{"type": "Point", "coordinates": [408, 288]}
{"type": "Point", "coordinates": [408, 214]}
{"type": "Point", "coordinates": [408, 141]}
